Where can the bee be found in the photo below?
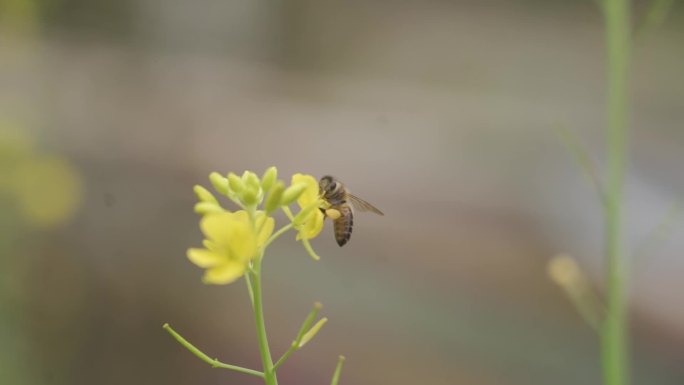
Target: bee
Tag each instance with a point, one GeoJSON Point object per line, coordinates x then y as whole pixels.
{"type": "Point", "coordinates": [339, 198]}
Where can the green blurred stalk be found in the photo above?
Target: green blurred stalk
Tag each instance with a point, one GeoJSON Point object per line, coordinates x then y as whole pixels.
{"type": "Point", "coordinates": [614, 335]}
{"type": "Point", "coordinates": [266, 358]}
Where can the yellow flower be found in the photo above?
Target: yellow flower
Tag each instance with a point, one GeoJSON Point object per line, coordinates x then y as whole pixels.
{"type": "Point", "coordinates": [311, 224]}
{"type": "Point", "coordinates": [232, 241]}
{"type": "Point", "coordinates": [47, 189]}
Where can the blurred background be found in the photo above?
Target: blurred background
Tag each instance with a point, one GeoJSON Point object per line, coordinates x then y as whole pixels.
{"type": "Point", "coordinates": [441, 113]}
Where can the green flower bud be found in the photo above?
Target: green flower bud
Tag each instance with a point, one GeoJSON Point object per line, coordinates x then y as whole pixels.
{"type": "Point", "coordinates": [251, 180]}
{"type": "Point", "coordinates": [204, 195]}
{"type": "Point", "coordinates": [292, 193]}
{"type": "Point", "coordinates": [250, 196]}
{"type": "Point", "coordinates": [269, 178]}
{"type": "Point", "coordinates": [274, 197]}
{"type": "Point", "coordinates": [219, 182]}
{"type": "Point", "coordinates": [312, 332]}
{"type": "Point", "coordinates": [205, 208]}
{"type": "Point", "coordinates": [235, 183]}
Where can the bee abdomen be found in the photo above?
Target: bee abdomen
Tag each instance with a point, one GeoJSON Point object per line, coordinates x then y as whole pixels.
{"type": "Point", "coordinates": [343, 225]}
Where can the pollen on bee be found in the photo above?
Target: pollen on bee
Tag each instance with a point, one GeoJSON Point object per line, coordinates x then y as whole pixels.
{"type": "Point", "coordinates": [332, 213]}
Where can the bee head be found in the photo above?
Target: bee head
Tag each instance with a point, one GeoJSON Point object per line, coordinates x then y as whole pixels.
{"type": "Point", "coordinates": [327, 184]}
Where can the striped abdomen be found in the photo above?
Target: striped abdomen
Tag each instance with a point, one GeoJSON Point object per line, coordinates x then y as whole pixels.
{"type": "Point", "coordinates": [344, 224]}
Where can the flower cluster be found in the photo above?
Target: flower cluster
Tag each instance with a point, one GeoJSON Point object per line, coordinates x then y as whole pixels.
{"type": "Point", "coordinates": [236, 240]}
{"type": "Point", "coordinates": [235, 243]}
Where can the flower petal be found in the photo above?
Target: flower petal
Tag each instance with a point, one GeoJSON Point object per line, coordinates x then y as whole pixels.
{"type": "Point", "coordinates": [213, 246]}
{"type": "Point", "coordinates": [205, 258]}
{"type": "Point", "coordinates": [216, 227]}
{"type": "Point", "coordinates": [312, 225]}
{"type": "Point", "coordinates": [242, 244]}
{"type": "Point", "coordinates": [241, 216]}
{"type": "Point", "coordinates": [225, 273]}
{"type": "Point", "coordinates": [311, 193]}
{"type": "Point", "coordinates": [221, 227]}
{"type": "Point", "coordinates": [267, 228]}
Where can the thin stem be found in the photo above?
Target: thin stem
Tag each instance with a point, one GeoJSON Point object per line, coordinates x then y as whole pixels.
{"type": "Point", "coordinates": [249, 289]}
{"type": "Point", "coordinates": [211, 361]}
{"type": "Point", "coordinates": [293, 348]}
{"type": "Point", "coordinates": [288, 213]}
{"type": "Point", "coordinates": [233, 197]}
{"type": "Point", "coordinates": [583, 159]}
{"type": "Point", "coordinates": [614, 333]}
{"type": "Point", "coordinates": [310, 250]}
{"type": "Point", "coordinates": [306, 326]}
{"type": "Point", "coordinates": [267, 361]}
{"type": "Point", "coordinates": [338, 371]}
{"type": "Point", "coordinates": [278, 233]}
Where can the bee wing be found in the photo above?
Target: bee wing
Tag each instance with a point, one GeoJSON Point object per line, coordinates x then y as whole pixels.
{"type": "Point", "coordinates": [362, 205]}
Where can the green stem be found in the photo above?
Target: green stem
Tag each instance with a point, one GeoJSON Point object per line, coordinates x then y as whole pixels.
{"type": "Point", "coordinates": [614, 333]}
{"type": "Point", "coordinates": [278, 233]}
{"type": "Point", "coordinates": [249, 289]}
{"type": "Point", "coordinates": [267, 361]}
{"type": "Point", "coordinates": [211, 361]}
{"type": "Point", "coordinates": [338, 371]}
{"type": "Point", "coordinates": [288, 213]}
{"type": "Point", "coordinates": [310, 250]}
{"type": "Point", "coordinates": [306, 326]}
{"type": "Point", "coordinates": [293, 348]}
{"type": "Point", "coordinates": [583, 159]}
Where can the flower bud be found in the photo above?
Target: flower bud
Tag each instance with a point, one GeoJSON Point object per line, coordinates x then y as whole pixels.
{"type": "Point", "coordinates": [252, 193]}
{"type": "Point", "coordinates": [564, 271]}
{"type": "Point", "coordinates": [269, 178]}
{"type": "Point", "coordinates": [249, 196]}
{"type": "Point", "coordinates": [292, 193]}
{"type": "Point", "coordinates": [274, 197]}
{"type": "Point", "coordinates": [219, 182]}
{"type": "Point", "coordinates": [204, 195]}
{"type": "Point", "coordinates": [312, 332]}
{"type": "Point", "coordinates": [251, 180]}
{"type": "Point", "coordinates": [205, 208]}
{"type": "Point", "coordinates": [235, 183]}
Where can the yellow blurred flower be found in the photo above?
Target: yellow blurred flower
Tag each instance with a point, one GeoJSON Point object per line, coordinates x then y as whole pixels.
{"type": "Point", "coordinates": [47, 189]}
{"type": "Point", "coordinates": [232, 241]}
{"type": "Point", "coordinates": [310, 219]}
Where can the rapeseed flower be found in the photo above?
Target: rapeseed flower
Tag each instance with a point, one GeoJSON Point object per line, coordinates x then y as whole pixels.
{"type": "Point", "coordinates": [235, 239]}
{"type": "Point", "coordinates": [309, 221]}
{"type": "Point", "coordinates": [232, 241]}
